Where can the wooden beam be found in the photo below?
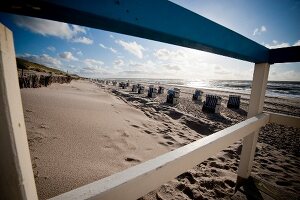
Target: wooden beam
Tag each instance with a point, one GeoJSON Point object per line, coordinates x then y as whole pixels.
{"type": "Point", "coordinates": [137, 181]}
{"type": "Point", "coordinates": [285, 120]}
{"type": "Point", "coordinates": [16, 175]}
{"type": "Point", "coordinates": [157, 20]}
{"type": "Point", "coordinates": [284, 55]}
{"type": "Point", "coordinates": [257, 98]}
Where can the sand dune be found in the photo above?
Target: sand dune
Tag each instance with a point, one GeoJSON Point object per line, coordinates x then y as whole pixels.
{"type": "Point", "coordinates": [79, 133]}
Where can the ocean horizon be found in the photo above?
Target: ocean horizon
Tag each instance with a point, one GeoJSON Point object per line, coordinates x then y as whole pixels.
{"type": "Point", "coordinates": [289, 89]}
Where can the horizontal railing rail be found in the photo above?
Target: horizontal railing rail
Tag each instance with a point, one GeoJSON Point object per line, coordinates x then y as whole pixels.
{"type": "Point", "coordinates": [137, 181]}
{"type": "Point", "coordinates": [286, 120]}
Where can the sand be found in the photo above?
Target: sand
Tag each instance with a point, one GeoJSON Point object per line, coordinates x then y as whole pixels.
{"type": "Point", "coordinates": [81, 132]}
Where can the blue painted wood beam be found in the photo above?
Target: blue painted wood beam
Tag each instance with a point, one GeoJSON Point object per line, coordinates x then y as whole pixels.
{"type": "Point", "coordinates": [157, 20]}
{"type": "Point", "coordinates": [283, 55]}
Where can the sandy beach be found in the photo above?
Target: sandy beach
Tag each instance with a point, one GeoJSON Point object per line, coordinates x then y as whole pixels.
{"type": "Point", "coordinates": [81, 132]}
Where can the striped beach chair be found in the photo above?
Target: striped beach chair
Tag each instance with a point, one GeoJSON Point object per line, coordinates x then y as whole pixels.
{"type": "Point", "coordinates": [197, 95]}
{"type": "Point", "coordinates": [134, 88]}
{"type": "Point", "coordinates": [161, 90]}
{"type": "Point", "coordinates": [122, 85]}
{"type": "Point", "coordinates": [152, 91]}
{"type": "Point", "coordinates": [141, 89]}
{"type": "Point", "coordinates": [234, 101]}
{"type": "Point", "coordinates": [212, 104]}
{"type": "Point", "coordinates": [173, 96]}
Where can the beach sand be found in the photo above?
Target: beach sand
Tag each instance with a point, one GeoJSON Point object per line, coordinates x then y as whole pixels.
{"type": "Point", "coordinates": [81, 132]}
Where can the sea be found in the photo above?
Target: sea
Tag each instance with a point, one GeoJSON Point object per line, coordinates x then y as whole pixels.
{"type": "Point", "coordinates": [290, 89]}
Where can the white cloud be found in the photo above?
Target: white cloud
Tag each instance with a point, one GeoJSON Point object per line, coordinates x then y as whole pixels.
{"type": "Point", "coordinates": [275, 45]}
{"type": "Point", "coordinates": [113, 50]}
{"type": "Point", "coordinates": [77, 28]}
{"type": "Point", "coordinates": [284, 72]}
{"type": "Point", "coordinates": [109, 48]}
{"type": "Point", "coordinates": [164, 54]}
{"type": "Point", "coordinates": [132, 47]}
{"type": "Point", "coordinates": [193, 64]}
{"type": "Point", "coordinates": [83, 40]}
{"type": "Point", "coordinates": [51, 48]}
{"type": "Point", "coordinates": [79, 53]}
{"type": "Point", "coordinates": [111, 36]}
{"type": "Point", "coordinates": [92, 68]}
{"type": "Point", "coordinates": [258, 31]}
{"type": "Point", "coordinates": [119, 62]}
{"type": "Point", "coordinates": [171, 67]}
{"type": "Point", "coordinates": [102, 45]}
{"type": "Point", "coordinates": [297, 43]}
{"type": "Point", "coordinates": [68, 56]}
{"type": "Point", "coordinates": [48, 27]}
{"type": "Point", "coordinates": [93, 63]}
{"type": "Point", "coordinates": [43, 59]}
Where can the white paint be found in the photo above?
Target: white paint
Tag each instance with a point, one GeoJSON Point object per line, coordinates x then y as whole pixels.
{"type": "Point", "coordinates": [285, 120]}
{"type": "Point", "coordinates": [257, 98]}
{"type": "Point", "coordinates": [137, 181]}
{"type": "Point", "coordinates": [16, 176]}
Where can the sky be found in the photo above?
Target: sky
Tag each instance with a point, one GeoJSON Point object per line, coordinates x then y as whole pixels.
{"type": "Point", "coordinates": [96, 53]}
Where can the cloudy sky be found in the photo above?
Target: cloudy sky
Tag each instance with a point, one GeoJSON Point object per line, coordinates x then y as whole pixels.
{"type": "Point", "coordinates": [96, 53]}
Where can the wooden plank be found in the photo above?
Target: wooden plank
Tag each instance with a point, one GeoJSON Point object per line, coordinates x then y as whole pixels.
{"type": "Point", "coordinates": [284, 55]}
{"type": "Point", "coordinates": [257, 97]}
{"type": "Point", "coordinates": [157, 20]}
{"type": "Point", "coordinates": [285, 120]}
{"type": "Point", "coordinates": [137, 181]}
{"type": "Point", "coordinates": [17, 181]}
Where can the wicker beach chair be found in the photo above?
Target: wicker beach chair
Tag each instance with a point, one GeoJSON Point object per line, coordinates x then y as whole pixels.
{"type": "Point", "coordinates": [161, 90]}
{"type": "Point", "coordinates": [141, 89]}
{"type": "Point", "coordinates": [152, 91]}
{"type": "Point", "coordinates": [173, 96]}
{"type": "Point", "coordinates": [234, 101]}
{"type": "Point", "coordinates": [197, 95]}
{"type": "Point", "coordinates": [134, 88]}
{"type": "Point", "coordinates": [212, 104]}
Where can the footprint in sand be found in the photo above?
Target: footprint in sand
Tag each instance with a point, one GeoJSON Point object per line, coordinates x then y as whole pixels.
{"type": "Point", "coordinates": [162, 143]}
{"type": "Point", "coordinates": [148, 132]}
{"type": "Point", "coordinates": [167, 137]}
{"type": "Point", "coordinates": [187, 175]}
{"type": "Point", "coordinates": [135, 126]}
{"type": "Point", "coordinates": [34, 136]}
{"type": "Point", "coordinates": [283, 183]}
{"type": "Point", "coordinates": [130, 159]}
{"type": "Point", "coordinates": [124, 134]}
{"type": "Point", "coordinates": [274, 169]}
{"type": "Point", "coordinates": [186, 190]}
{"type": "Point", "coordinates": [216, 165]}
{"type": "Point", "coordinates": [44, 126]}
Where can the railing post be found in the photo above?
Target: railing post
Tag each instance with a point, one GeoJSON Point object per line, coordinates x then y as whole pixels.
{"type": "Point", "coordinates": [259, 85]}
{"type": "Point", "coordinates": [16, 175]}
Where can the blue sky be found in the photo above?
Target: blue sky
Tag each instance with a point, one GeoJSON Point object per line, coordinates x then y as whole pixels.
{"type": "Point", "coordinates": [101, 54]}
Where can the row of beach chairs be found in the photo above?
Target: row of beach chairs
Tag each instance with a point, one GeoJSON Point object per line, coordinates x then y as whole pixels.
{"type": "Point", "coordinates": [211, 104]}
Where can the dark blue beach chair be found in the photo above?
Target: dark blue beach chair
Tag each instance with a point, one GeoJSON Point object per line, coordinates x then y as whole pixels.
{"type": "Point", "coordinates": [234, 101]}
{"type": "Point", "coordinates": [212, 104]}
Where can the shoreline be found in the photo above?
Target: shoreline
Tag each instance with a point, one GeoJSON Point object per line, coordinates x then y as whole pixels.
{"type": "Point", "coordinates": [70, 125]}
